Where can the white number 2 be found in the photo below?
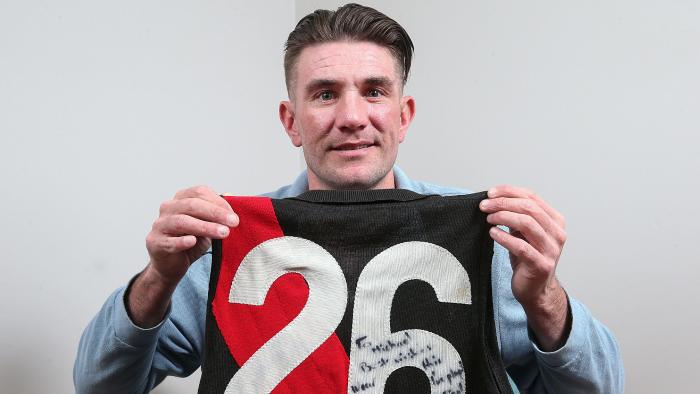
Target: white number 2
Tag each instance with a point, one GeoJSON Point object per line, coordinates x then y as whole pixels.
{"type": "Point", "coordinates": [375, 351]}
{"type": "Point", "coordinates": [328, 295]}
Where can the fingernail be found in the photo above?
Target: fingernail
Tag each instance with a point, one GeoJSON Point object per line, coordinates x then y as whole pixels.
{"type": "Point", "coordinates": [232, 220]}
{"type": "Point", "coordinates": [223, 231]}
{"type": "Point", "coordinates": [484, 204]}
{"type": "Point", "coordinates": [491, 193]}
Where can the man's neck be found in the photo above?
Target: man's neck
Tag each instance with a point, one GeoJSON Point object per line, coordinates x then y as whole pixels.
{"type": "Point", "coordinates": [315, 183]}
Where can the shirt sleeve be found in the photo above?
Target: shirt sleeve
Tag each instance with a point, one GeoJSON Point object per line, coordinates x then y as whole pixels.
{"type": "Point", "coordinates": [589, 361]}
{"type": "Point", "coordinates": [116, 356]}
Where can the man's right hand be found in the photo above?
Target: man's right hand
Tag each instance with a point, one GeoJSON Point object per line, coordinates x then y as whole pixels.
{"type": "Point", "coordinates": [180, 235]}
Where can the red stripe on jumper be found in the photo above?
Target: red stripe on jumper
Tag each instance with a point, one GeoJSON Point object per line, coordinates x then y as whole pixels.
{"type": "Point", "coordinates": [246, 328]}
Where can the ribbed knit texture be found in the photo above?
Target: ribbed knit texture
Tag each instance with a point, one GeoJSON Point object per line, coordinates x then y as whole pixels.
{"type": "Point", "coordinates": [424, 317]}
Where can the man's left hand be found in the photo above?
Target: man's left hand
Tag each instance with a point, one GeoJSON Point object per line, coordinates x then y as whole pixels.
{"type": "Point", "coordinates": [535, 242]}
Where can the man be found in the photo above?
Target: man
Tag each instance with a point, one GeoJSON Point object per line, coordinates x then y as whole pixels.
{"type": "Point", "coordinates": [345, 73]}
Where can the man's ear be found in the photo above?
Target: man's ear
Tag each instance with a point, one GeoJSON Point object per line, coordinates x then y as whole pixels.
{"type": "Point", "coordinates": [287, 117]}
{"type": "Point", "coordinates": [408, 111]}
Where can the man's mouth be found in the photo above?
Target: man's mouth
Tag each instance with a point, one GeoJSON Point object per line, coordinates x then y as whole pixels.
{"type": "Point", "coordinates": [349, 146]}
{"type": "Point", "coordinates": [354, 147]}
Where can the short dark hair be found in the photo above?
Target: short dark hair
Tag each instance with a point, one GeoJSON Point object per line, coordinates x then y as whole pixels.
{"type": "Point", "coordinates": [351, 22]}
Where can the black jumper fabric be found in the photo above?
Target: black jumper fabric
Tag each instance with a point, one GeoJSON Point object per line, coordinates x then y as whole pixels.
{"type": "Point", "coordinates": [381, 291]}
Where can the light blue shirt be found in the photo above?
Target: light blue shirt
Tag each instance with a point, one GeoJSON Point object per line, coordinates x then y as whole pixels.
{"type": "Point", "coordinates": [115, 355]}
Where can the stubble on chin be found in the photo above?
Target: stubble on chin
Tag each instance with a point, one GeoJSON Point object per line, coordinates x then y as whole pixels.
{"type": "Point", "coordinates": [362, 180]}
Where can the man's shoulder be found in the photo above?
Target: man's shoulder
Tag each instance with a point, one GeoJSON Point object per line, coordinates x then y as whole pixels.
{"type": "Point", "coordinates": [404, 182]}
{"type": "Point", "coordinates": [431, 188]}
{"type": "Point", "coordinates": [299, 186]}
{"type": "Point", "coordinates": [282, 192]}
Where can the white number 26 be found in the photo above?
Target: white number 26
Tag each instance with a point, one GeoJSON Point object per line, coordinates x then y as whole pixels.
{"type": "Point", "coordinates": [375, 351]}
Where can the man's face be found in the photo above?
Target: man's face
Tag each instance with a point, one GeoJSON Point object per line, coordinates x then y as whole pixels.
{"type": "Point", "coordinates": [348, 114]}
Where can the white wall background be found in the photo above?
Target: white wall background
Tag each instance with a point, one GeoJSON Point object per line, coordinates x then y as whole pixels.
{"type": "Point", "coordinates": [108, 109]}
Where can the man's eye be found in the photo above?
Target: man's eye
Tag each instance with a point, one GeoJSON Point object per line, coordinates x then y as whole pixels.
{"type": "Point", "coordinates": [326, 95]}
{"type": "Point", "coordinates": [374, 93]}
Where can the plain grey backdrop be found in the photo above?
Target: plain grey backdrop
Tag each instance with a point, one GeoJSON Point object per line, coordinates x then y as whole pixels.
{"type": "Point", "coordinates": [109, 108]}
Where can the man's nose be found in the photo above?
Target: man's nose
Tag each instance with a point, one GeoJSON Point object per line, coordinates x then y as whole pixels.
{"type": "Point", "coordinates": [351, 112]}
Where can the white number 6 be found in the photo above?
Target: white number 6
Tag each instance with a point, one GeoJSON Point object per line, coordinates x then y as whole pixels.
{"type": "Point", "coordinates": [375, 351]}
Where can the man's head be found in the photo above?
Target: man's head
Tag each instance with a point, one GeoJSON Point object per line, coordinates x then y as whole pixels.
{"type": "Point", "coordinates": [345, 72]}
{"type": "Point", "coordinates": [351, 22]}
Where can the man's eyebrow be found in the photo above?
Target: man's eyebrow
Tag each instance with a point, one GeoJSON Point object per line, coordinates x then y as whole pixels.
{"type": "Point", "coordinates": [316, 84]}
{"type": "Point", "coordinates": [379, 81]}
{"type": "Point", "coordinates": [320, 83]}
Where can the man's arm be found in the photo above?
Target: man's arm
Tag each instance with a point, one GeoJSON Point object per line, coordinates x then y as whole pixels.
{"type": "Point", "coordinates": [117, 356]}
{"type": "Point", "coordinates": [134, 342]}
{"type": "Point", "coordinates": [575, 353]}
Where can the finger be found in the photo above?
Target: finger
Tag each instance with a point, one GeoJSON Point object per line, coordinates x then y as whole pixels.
{"type": "Point", "coordinates": [521, 192]}
{"type": "Point", "coordinates": [510, 191]}
{"type": "Point", "coordinates": [199, 248]}
{"type": "Point", "coordinates": [528, 227]}
{"type": "Point", "coordinates": [200, 209]}
{"type": "Point", "coordinates": [527, 207]}
{"type": "Point", "coordinates": [205, 193]}
{"type": "Point", "coordinates": [177, 225]}
{"type": "Point", "coordinates": [171, 245]}
{"type": "Point", "coordinates": [536, 264]}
